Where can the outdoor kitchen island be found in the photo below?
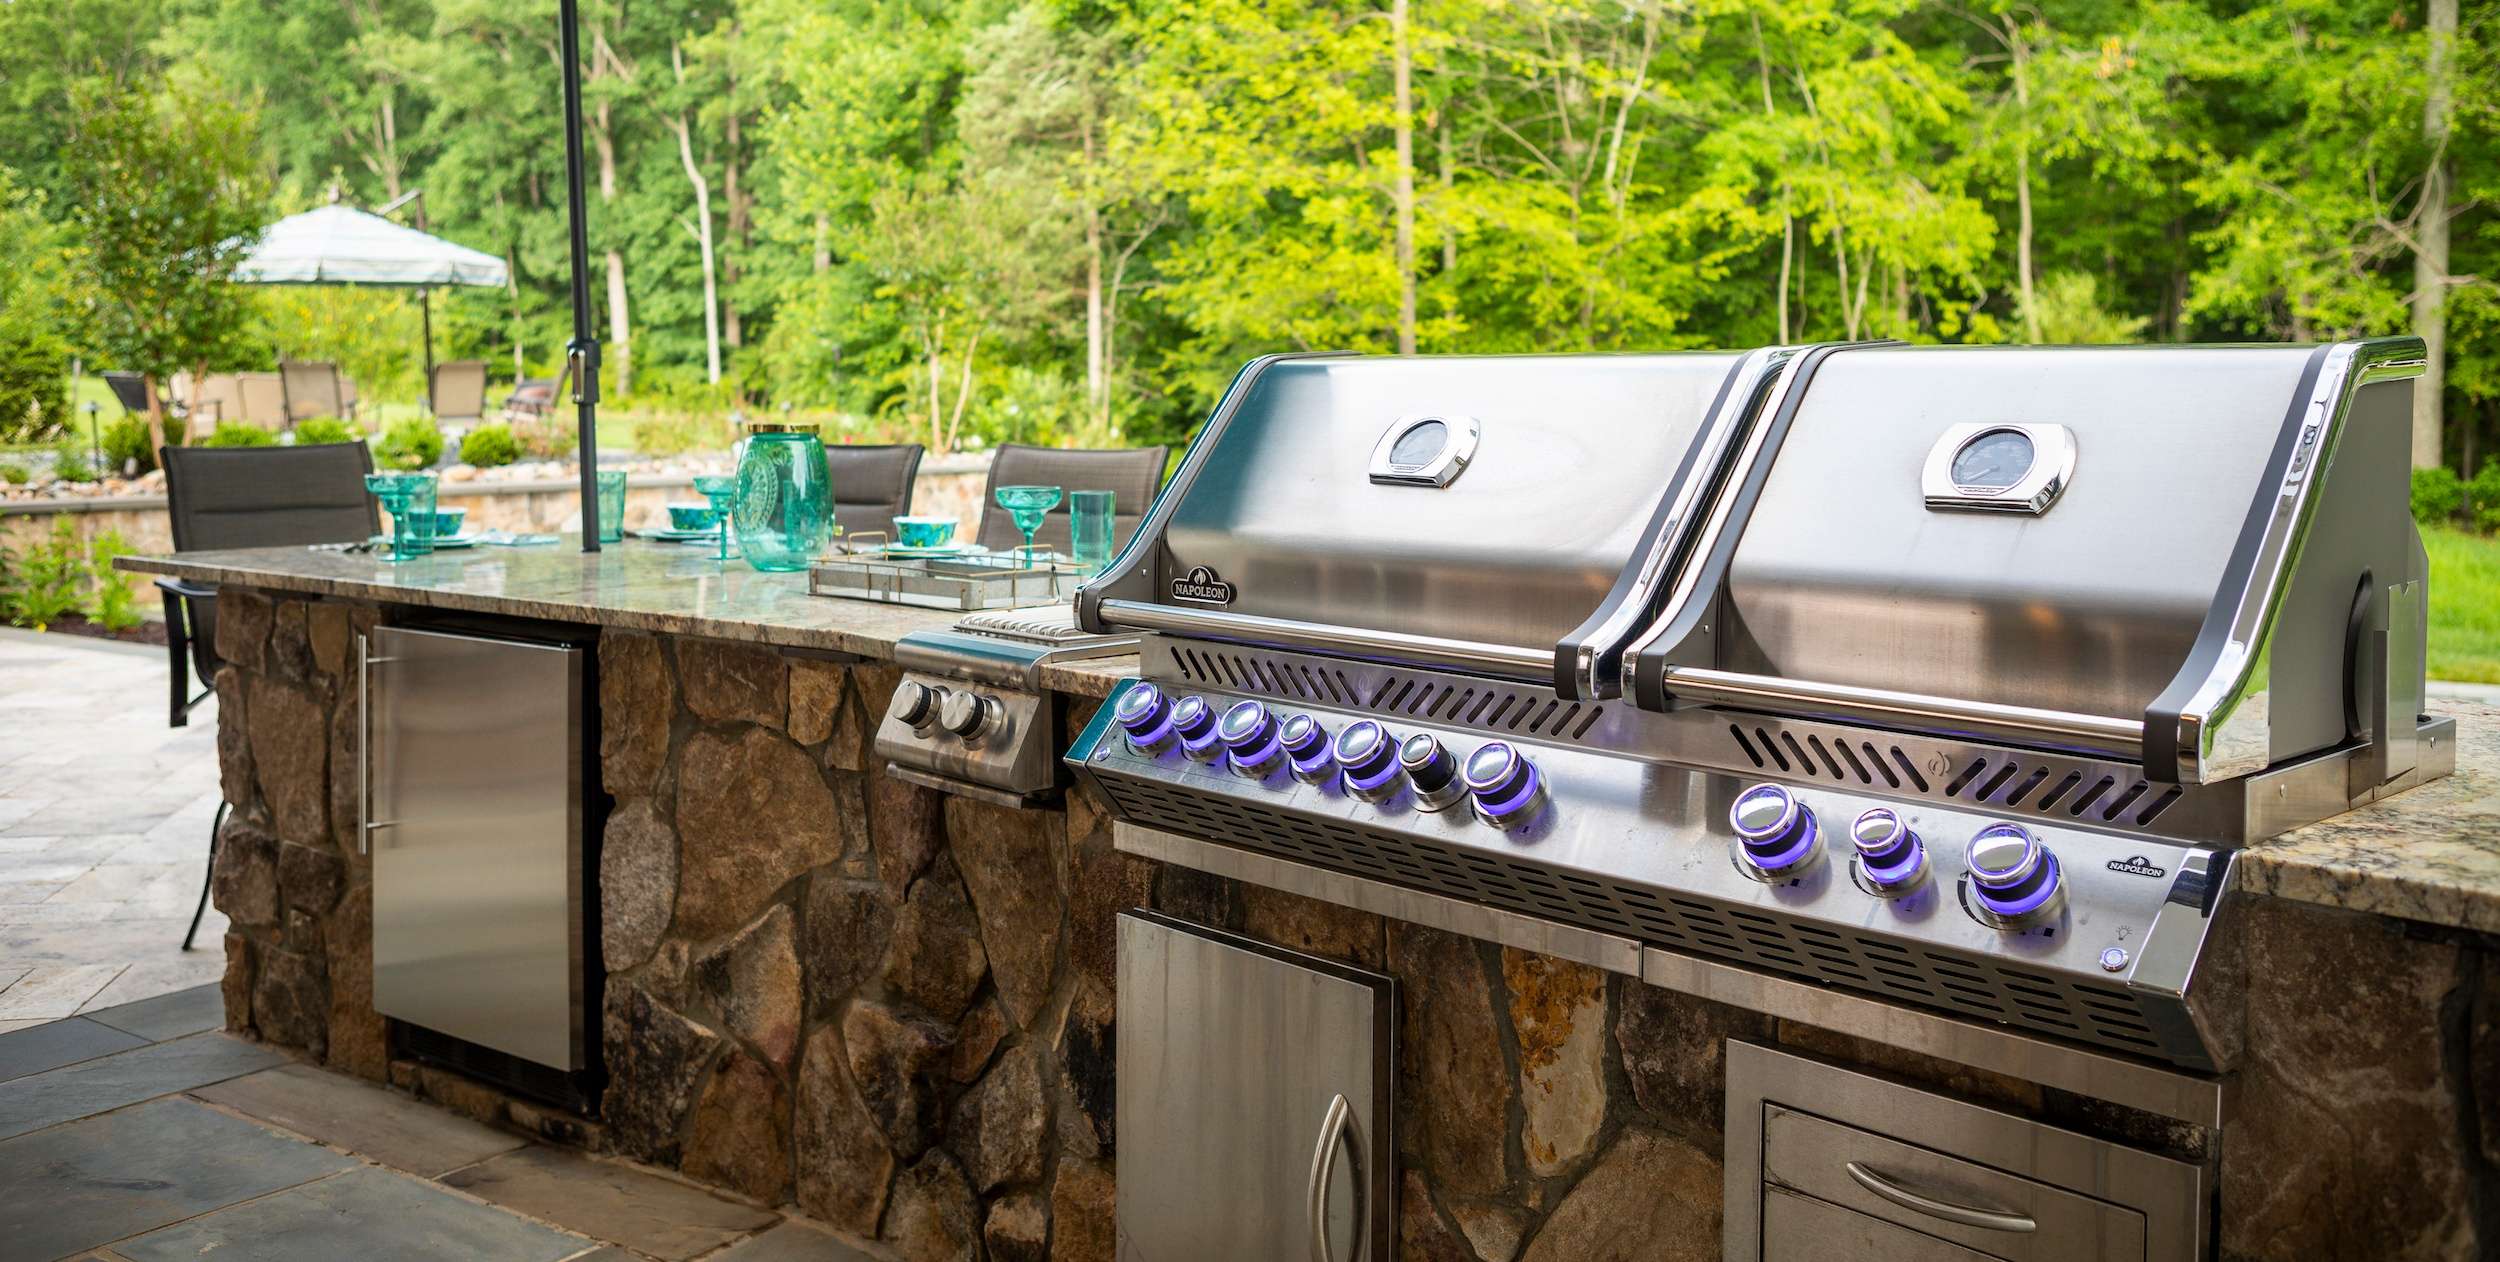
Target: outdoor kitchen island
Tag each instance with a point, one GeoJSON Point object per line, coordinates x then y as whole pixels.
{"type": "Point", "coordinates": [894, 1006]}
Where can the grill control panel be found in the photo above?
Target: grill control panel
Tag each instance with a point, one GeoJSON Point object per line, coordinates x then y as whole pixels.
{"type": "Point", "coordinates": [2071, 930]}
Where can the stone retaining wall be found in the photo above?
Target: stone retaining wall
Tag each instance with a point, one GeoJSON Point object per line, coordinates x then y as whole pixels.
{"type": "Point", "coordinates": [895, 1008]}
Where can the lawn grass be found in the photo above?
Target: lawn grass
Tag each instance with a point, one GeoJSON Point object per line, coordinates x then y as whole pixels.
{"type": "Point", "coordinates": [2465, 605]}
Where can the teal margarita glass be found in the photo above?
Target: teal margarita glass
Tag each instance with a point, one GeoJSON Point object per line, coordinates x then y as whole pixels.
{"type": "Point", "coordinates": [720, 488]}
{"type": "Point", "coordinates": [409, 499]}
{"type": "Point", "coordinates": [1028, 505]}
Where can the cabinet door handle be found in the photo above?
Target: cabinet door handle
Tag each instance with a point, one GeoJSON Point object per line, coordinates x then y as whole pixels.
{"type": "Point", "coordinates": [1968, 1216]}
{"type": "Point", "coordinates": [1324, 1164]}
{"type": "Point", "coordinates": [364, 746]}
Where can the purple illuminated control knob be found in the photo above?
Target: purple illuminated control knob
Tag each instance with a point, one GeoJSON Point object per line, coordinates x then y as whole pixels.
{"type": "Point", "coordinates": [1890, 856]}
{"type": "Point", "coordinates": [1434, 773]}
{"type": "Point", "coordinates": [1369, 755]}
{"type": "Point", "coordinates": [1248, 732]}
{"type": "Point", "coordinates": [1774, 830]}
{"type": "Point", "coordinates": [1306, 748]}
{"type": "Point", "coordinates": [2014, 880]}
{"type": "Point", "coordinates": [1194, 720]}
{"type": "Point", "coordinates": [1506, 788]}
{"type": "Point", "coordinates": [1145, 717]}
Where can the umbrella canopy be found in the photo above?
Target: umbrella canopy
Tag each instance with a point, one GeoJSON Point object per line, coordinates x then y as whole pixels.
{"type": "Point", "coordinates": [340, 245]}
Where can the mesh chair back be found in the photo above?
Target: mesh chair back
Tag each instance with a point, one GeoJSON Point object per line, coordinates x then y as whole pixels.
{"type": "Point", "coordinates": [312, 389]}
{"type": "Point", "coordinates": [459, 390]}
{"type": "Point", "coordinates": [130, 389]}
{"type": "Point", "coordinates": [263, 399]}
{"type": "Point", "coordinates": [258, 497]}
{"type": "Point", "coordinates": [1131, 474]}
{"type": "Point", "coordinates": [872, 485]}
{"type": "Point", "coordinates": [221, 398]}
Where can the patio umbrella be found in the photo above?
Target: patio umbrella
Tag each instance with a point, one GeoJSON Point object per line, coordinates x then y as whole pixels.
{"type": "Point", "coordinates": [583, 350]}
{"type": "Point", "coordinates": [341, 245]}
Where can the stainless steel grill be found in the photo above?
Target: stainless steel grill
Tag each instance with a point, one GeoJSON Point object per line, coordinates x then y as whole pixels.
{"type": "Point", "coordinates": [1948, 676]}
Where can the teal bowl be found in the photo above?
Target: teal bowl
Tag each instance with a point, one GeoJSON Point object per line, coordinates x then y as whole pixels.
{"type": "Point", "coordinates": [447, 521]}
{"type": "Point", "coordinates": [692, 517]}
{"type": "Point", "coordinates": [924, 532]}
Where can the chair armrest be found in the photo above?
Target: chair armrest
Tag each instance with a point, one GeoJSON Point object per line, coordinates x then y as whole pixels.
{"type": "Point", "coordinates": [197, 591]}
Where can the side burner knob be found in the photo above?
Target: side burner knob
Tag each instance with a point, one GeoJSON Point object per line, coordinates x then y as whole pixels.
{"type": "Point", "coordinates": [1432, 770]}
{"type": "Point", "coordinates": [2014, 880]}
{"type": "Point", "coordinates": [1306, 747]}
{"type": "Point", "coordinates": [1774, 831]}
{"type": "Point", "coordinates": [969, 715]}
{"type": "Point", "coordinates": [915, 705]}
{"type": "Point", "coordinates": [1369, 755]}
{"type": "Point", "coordinates": [1505, 785]}
{"type": "Point", "coordinates": [1889, 855]}
{"type": "Point", "coordinates": [1194, 720]}
{"type": "Point", "coordinates": [1144, 715]}
{"type": "Point", "coordinates": [1248, 732]}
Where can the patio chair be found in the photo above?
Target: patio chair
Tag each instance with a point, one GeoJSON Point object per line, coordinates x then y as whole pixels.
{"type": "Point", "coordinates": [457, 392]}
{"type": "Point", "coordinates": [1131, 474]}
{"type": "Point", "coordinates": [872, 485]}
{"type": "Point", "coordinates": [262, 398]}
{"type": "Point", "coordinates": [130, 389]}
{"type": "Point", "coordinates": [247, 497]}
{"type": "Point", "coordinates": [314, 388]}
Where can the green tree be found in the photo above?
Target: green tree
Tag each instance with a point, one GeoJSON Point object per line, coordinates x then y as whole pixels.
{"type": "Point", "coordinates": [44, 306]}
{"type": "Point", "coordinates": [170, 194]}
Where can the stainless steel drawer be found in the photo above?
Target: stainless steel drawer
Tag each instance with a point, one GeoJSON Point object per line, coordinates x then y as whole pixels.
{"type": "Point", "coordinates": [1821, 1155]}
{"type": "Point", "coordinates": [1802, 1229]}
{"type": "Point", "coordinates": [2011, 1217]}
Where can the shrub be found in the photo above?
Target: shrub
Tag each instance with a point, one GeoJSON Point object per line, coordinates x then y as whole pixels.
{"type": "Point", "coordinates": [410, 443]}
{"type": "Point", "coordinates": [49, 578]}
{"type": "Point", "coordinates": [2437, 495]}
{"type": "Point", "coordinates": [238, 434]}
{"type": "Point", "coordinates": [546, 439]}
{"type": "Point", "coordinates": [70, 462]}
{"type": "Point", "coordinates": [13, 473]}
{"type": "Point", "coordinates": [125, 444]}
{"type": "Point", "coordinates": [488, 446]}
{"type": "Point", "coordinates": [326, 429]}
{"type": "Point", "coordinates": [113, 600]}
{"type": "Point", "coordinates": [674, 433]}
{"type": "Point", "coordinates": [2483, 493]}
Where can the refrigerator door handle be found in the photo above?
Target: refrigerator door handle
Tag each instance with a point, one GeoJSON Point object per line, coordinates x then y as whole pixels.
{"type": "Point", "coordinates": [1323, 1165]}
{"type": "Point", "coordinates": [366, 824]}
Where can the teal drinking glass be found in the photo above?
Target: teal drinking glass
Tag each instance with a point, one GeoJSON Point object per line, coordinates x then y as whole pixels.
{"type": "Point", "coordinates": [1027, 505]}
{"type": "Point", "coordinates": [720, 488]}
{"type": "Point", "coordinates": [409, 499]}
{"type": "Point", "coordinates": [1089, 529]}
{"type": "Point", "coordinates": [611, 505]}
{"type": "Point", "coordinates": [784, 504]}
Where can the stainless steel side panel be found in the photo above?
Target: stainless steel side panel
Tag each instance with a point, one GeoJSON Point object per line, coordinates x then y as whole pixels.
{"type": "Point", "coordinates": [476, 836]}
{"type": "Point", "coordinates": [1254, 1089]}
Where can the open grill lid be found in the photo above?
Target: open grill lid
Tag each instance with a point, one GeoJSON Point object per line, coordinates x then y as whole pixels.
{"type": "Point", "coordinates": [1510, 516]}
{"type": "Point", "coordinates": [2199, 557]}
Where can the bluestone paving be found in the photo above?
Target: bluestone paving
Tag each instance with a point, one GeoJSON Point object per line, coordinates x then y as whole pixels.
{"type": "Point", "coordinates": [381, 1125]}
{"type": "Point", "coordinates": [109, 1082]}
{"type": "Point", "coordinates": [643, 1212]}
{"type": "Point", "coordinates": [367, 1214]}
{"type": "Point", "coordinates": [167, 1016]}
{"type": "Point", "coordinates": [792, 1242]}
{"type": "Point", "coordinates": [78, 1186]}
{"type": "Point", "coordinates": [56, 1043]}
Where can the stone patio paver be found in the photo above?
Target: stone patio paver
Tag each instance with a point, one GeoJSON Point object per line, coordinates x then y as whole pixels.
{"type": "Point", "coordinates": [644, 1212]}
{"type": "Point", "coordinates": [367, 1213]}
{"type": "Point", "coordinates": [385, 1126]}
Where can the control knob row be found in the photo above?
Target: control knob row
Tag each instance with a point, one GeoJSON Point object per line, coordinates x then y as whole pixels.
{"type": "Point", "coordinates": [2014, 880]}
{"type": "Point", "coordinates": [969, 715]}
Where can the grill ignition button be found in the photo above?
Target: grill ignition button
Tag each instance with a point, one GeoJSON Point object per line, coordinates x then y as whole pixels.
{"type": "Point", "coordinates": [1194, 719]}
{"type": "Point", "coordinates": [1370, 758]}
{"type": "Point", "coordinates": [1774, 831]}
{"type": "Point", "coordinates": [1145, 717]}
{"type": "Point", "coordinates": [1433, 772]}
{"type": "Point", "coordinates": [1505, 785]}
{"type": "Point", "coordinates": [1306, 744]}
{"type": "Point", "coordinates": [2014, 880]}
{"type": "Point", "coordinates": [1249, 734]}
{"type": "Point", "coordinates": [1890, 856]}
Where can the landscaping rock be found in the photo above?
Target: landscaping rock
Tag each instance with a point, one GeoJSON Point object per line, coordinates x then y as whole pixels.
{"type": "Point", "coordinates": [637, 700]}
{"type": "Point", "coordinates": [656, 1061]}
{"type": "Point", "coordinates": [1081, 1223]}
{"type": "Point", "coordinates": [843, 1163]}
{"type": "Point", "coordinates": [637, 883]}
{"type": "Point", "coordinates": [290, 737]}
{"type": "Point", "coordinates": [1558, 1011]}
{"type": "Point", "coordinates": [998, 1127]}
{"type": "Point", "coordinates": [752, 981]}
{"type": "Point", "coordinates": [817, 689]}
{"type": "Point", "coordinates": [891, 1057]}
{"type": "Point", "coordinates": [1018, 1229]}
{"type": "Point", "coordinates": [1651, 1198]}
{"type": "Point", "coordinates": [848, 926]}
{"type": "Point", "coordinates": [933, 1217]}
{"type": "Point", "coordinates": [752, 812]}
{"type": "Point", "coordinates": [244, 884]}
{"type": "Point", "coordinates": [1453, 1069]}
{"type": "Point", "coordinates": [733, 683]}
{"type": "Point", "coordinates": [736, 1139]}
{"type": "Point", "coordinates": [935, 960]}
{"type": "Point", "coordinates": [1006, 858]}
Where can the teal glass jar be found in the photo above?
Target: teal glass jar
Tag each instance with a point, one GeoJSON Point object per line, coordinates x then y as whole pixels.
{"type": "Point", "coordinates": [783, 512]}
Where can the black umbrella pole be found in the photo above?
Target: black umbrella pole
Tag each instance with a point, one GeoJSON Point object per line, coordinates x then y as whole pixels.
{"type": "Point", "coordinates": [583, 350]}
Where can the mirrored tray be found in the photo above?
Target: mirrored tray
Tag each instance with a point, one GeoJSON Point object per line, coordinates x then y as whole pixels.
{"type": "Point", "coordinates": [996, 580]}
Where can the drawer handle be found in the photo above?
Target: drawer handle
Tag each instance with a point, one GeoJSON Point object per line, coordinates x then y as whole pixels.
{"type": "Point", "coordinates": [1985, 1219]}
{"type": "Point", "coordinates": [1323, 1164]}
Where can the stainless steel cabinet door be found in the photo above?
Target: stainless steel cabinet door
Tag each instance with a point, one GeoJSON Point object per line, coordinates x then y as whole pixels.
{"type": "Point", "coordinates": [1253, 1103]}
{"type": "Point", "coordinates": [473, 817]}
{"type": "Point", "coordinates": [1802, 1229]}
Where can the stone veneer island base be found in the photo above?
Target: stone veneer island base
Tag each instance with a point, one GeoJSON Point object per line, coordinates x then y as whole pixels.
{"type": "Point", "coordinates": [894, 1008]}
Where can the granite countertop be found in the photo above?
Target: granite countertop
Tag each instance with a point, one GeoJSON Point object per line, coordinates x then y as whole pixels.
{"type": "Point", "coordinates": [2430, 854]}
{"type": "Point", "coordinates": [637, 584]}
